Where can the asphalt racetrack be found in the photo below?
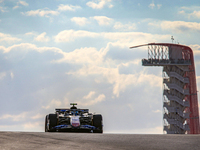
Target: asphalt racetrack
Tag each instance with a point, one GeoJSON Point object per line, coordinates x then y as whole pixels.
{"type": "Point", "coordinates": [90, 141]}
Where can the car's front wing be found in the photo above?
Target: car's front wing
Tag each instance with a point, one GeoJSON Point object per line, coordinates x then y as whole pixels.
{"type": "Point", "coordinates": [68, 127]}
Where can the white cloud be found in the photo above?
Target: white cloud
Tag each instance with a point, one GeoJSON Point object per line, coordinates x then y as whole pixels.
{"type": "Point", "coordinates": [53, 104]}
{"type": "Point", "coordinates": [190, 8]}
{"type": "Point", "coordinates": [13, 47]}
{"type": "Point", "coordinates": [15, 7]}
{"type": "Point", "coordinates": [102, 20]}
{"type": "Point", "coordinates": [30, 33]}
{"type": "Point", "coordinates": [93, 62]}
{"type": "Point", "coordinates": [2, 75]}
{"type": "Point", "coordinates": [2, 9]}
{"type": "Point", "coordinates": [37, 116]}
{"type": "Point", "coordinates": [120, 81]}
{"type": "Point", "coordinates": [25, 47]}
{"type": "Point", "coordinates": [42, 37]}
{"type": "Point", "coordinates": [196, 49]}
{"type": "Point", "coordinates": [177, 26]}
{"type": "Point", "coordinates": [81, 21]}
{"type": "Point", "coordinates": [152, 5]}
{"type": "Point", "coordinates": [20, 3]}
{"type": "Point", "coordinates": [11, 75]}
{"type": "Point", "coordinates": [182, 12]}
{"type": "Point", "coordinates": [125, 27]}
{"type": "Point", "coordinates": [89, 99]}
{"type": "Point", "coordinates": [100, 4]}
{"type": "Point", "coordinates": [71, 35]}
{"type": "Point", "coordinates": [180, 26]}
{"type": "Point", "coordinates": [87, 55]}
{"type": "Point", "coordinates": [90, 56]}
{"type": "Point", "coordinates": [124, 39]}
{"type": "Point", "coordinates": [47, 12]}
{"type": "Point", "coordinates": [41, 13]}
{"type": "Point", "coordinates": [195, 14]}
{"type": "Point", "coordinates": [8, 38]}
{"type": "Point", "coordinates": [19, 117]}
{"type": "Point", "coordinates": [62, 7]}
{"type": "Point", "coordinates": [159, 6]}
{"type": "Point", "coordinates": [190, 12]}
{"type": "Point", "coordinates": [90, 95]}
{"type": "Point", "coordinates": [23, 3]}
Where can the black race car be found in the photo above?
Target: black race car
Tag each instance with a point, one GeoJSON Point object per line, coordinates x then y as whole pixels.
{"type": "Point", "coordinates": [74, 119]}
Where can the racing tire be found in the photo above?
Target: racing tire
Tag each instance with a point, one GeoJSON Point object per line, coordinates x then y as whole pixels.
{"type": "Point", "coordinates": [97, 122]}
{"type": "Point", "coordinates": [45, 127]}
{"type": "Point", "coordinates": [52, 122]}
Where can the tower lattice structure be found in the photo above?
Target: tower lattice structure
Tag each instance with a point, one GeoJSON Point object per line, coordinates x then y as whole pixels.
{"type": "Point", "coordinates": [180, 103]}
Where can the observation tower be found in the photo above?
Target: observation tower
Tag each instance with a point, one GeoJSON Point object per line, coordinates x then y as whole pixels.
{"type": "Point", "coordinates": [180, 102]}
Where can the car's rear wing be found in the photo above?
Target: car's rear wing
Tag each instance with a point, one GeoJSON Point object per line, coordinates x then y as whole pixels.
{"type": "Point", "coordinates": [60, 110]}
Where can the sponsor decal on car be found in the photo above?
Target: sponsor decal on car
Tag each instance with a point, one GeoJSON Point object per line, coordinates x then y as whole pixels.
{"type": "Point", "coordinates": [75, 122]}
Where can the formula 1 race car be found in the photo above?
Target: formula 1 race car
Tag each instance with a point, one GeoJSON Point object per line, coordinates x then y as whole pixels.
{"type": "Point", "coordinates": [73, 119]}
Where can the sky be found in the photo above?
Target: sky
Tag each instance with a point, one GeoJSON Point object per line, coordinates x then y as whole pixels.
{"type": "Point", "coordinates": [53, 52]}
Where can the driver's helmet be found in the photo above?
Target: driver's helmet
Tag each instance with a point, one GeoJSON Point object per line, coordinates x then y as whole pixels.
{"type": "Point", "coordinates": [76, 113]}
{"type": "Point", "coordinates": [72, 112]}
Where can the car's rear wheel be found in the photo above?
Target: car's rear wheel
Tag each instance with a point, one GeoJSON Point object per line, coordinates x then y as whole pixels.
{"type": "Point", "coordinates": [97, 122]}
{"type": "Point", "coordinates": [52, 122]}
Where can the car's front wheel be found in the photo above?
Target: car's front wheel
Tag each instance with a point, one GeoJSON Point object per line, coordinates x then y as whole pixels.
{"type": "Point", "coordinates": [97, 122]}
{"type": "Point", "coordinates": [52, 122]}
{"type": "Point", "coordinates": [45, 128]}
